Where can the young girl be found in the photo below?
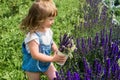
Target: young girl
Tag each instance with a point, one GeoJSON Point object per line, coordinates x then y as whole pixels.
{"type": "Point", "coordinates": [38, 42]}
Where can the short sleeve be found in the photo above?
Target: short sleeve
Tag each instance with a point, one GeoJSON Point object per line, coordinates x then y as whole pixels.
{"type": "Point", "coordinates": [30, 37]}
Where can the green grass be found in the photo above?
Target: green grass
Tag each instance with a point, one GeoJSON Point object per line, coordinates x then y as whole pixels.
{"type": "Point", "coordinates": [11, 37]}
{"type": "Point", "coordinates": [11, 14]}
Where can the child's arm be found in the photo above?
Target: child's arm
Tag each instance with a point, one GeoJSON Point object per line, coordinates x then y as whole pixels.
{"type": "Point", "coordinates": [34, 50]}
{"type": "Point", "coordinates": [54, 47]}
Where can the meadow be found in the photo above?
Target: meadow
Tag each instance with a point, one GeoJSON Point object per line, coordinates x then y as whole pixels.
{"type": "Point", "coordinates": [89, 24]}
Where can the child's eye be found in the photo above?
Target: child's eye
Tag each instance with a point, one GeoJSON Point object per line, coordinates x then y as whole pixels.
{"type": "Point", "coordinates": [51, 18]}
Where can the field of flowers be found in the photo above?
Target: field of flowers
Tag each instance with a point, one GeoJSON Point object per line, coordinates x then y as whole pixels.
{"type": "Point", "coordinates": [92, 26]}
{"type": "Point", "coordinates": [97, 40]}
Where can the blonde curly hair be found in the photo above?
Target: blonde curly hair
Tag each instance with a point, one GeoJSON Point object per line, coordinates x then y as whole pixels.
{"type": "Point", "coordinates": [38, 12]}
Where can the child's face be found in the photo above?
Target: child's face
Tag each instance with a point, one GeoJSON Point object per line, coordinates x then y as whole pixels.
{"type": "Point", "coordinates": [48, 22]}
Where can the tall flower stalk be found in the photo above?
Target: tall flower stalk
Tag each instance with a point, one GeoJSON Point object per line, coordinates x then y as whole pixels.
{"type": "Point", "coordinates": [95, 58]}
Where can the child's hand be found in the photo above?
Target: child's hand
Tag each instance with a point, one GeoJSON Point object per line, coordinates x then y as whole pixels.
{"type": "Point", "coordinates": [58, 58]}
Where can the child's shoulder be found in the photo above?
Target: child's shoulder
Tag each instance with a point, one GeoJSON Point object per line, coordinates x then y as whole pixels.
{"type": "Point", "coordinates": [31, 36]}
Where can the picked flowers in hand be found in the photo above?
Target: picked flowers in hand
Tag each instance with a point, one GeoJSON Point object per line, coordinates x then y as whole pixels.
{"type": "Point", "coordinates": [66, 46]}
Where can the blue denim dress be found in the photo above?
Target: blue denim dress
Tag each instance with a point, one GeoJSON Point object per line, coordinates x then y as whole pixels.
{"type": "Point", "coordinates": [32, 65]}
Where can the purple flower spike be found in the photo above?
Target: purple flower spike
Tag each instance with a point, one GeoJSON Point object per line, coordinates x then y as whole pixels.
{"type": "Point", "coordinates": [100, 70]}
{"type": "Point", "coordinates": [68, 75]}
{"type": "Point", "coordinates": [96, 40]}
{"type": "Point", "coordinates": [57, 76]}
{"type": "Point", "coordinates": [105, 54]}
{"type": "Point", "coordinates": [76, 76]}
{"type": "Point", "coordinates": [108, 68]}
{"type": "Point", "coordinates": [110, 35]}
{"type": "Point", "coordinates": [106, 40]}
{"type": "Point", "coordinates": [86, 77]}
{"type": "Point", "coordinates": [83, 46]}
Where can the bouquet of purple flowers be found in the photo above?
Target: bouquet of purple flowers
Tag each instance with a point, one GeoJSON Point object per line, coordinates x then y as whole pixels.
{"type": "Point", "coordinates": [66, 47]}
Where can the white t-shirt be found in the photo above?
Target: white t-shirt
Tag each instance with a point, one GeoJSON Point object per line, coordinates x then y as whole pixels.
{"type": "Point", "coordinates": [45, 36]}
